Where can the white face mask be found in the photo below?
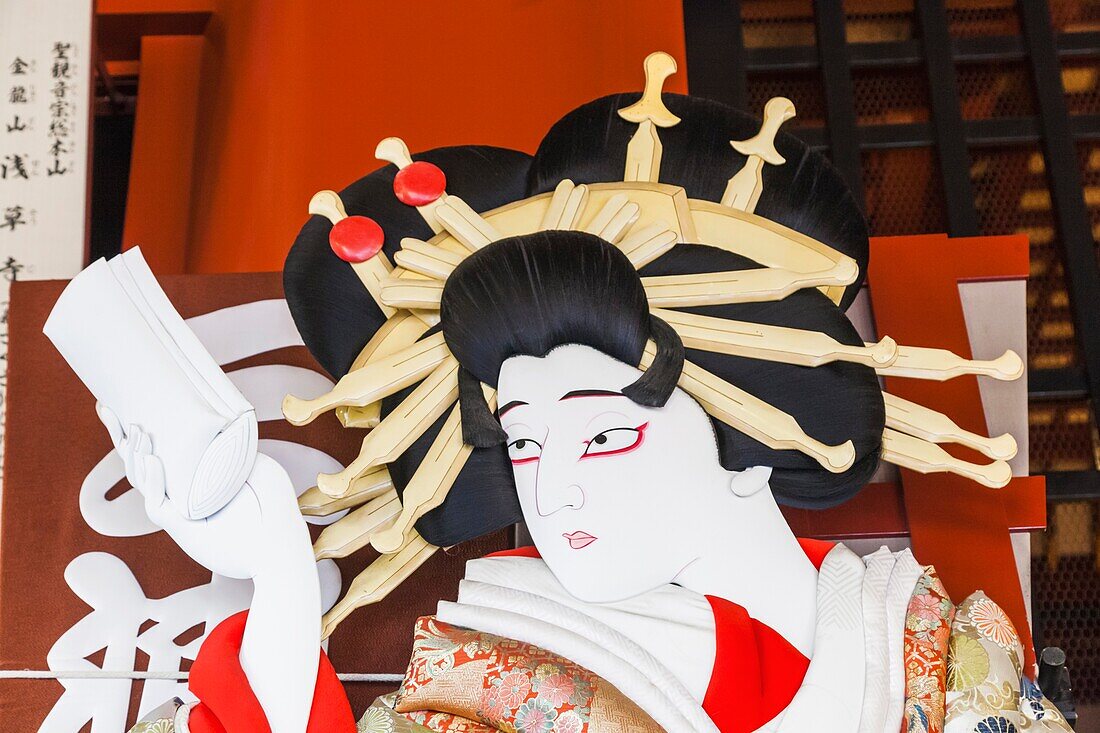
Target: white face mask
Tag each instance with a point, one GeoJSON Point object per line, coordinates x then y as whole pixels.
{"type": "Point", "coordinates": [610, 490]}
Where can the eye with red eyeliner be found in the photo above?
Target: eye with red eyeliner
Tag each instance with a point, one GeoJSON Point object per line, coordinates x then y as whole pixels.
{"type": "Point", "coordinates": [614, 442]}
{"type": "Point", "coordinates": [524, 450]}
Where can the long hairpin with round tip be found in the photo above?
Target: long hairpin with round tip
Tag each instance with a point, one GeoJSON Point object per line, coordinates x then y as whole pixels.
{"type": "Point", "coordinates": [375, 380]}
{"type": "Point", "coordinates": [756, 418]}
{"type": "Point", "coordinates": [773, 343]}
{"type": "Point", "coordinates": [935, 427]}
{"type": "Point", "coordinates": [355, 531]}
{"type": "Point", "coordinates": [740, 286]}
{"type": "Point", "coordinates": [315, 503]}
{"type": "Point", "coordinates": [432, 480]}
{"type": "Point", "coordinates": [918, 362]}
{"type": "Point", "coordinates": [402, 330]}
{"type": "Point", "coordinates": [415, 414]}
{"type": "Point", "coordinates": [379, 579]}
{"type": "Point", "coordinates": [924, 456]}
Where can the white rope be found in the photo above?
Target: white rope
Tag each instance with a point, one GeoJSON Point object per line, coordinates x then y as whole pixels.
{"type": "Point", "coordinates": [100, 674]}
{"type": "Point", "coordinates": [370, 677]}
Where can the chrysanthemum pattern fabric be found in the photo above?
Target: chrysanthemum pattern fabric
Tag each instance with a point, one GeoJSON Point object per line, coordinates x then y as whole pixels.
{"type": "Point", "coordinates": [986, 689]}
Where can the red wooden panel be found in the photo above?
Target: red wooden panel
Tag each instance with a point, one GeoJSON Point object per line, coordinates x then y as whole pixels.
{"type": "Point", "coordinates": [158, 206]}
{"type": "Point", "coordinates": [955, 524]}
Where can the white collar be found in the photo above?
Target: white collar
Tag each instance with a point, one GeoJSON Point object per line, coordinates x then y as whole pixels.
{"type": "Point", "coordinates": [673, 624]}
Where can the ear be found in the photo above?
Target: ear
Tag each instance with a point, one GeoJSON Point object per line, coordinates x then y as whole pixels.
{"type": "Point", "coordinates": [751, 480]}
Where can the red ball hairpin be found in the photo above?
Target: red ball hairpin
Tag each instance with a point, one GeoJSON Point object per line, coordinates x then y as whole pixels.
{"type": "Point", "coordinates": [352, 238]}
{"type": "Point", "coordinates": [356, 238]}
{"type": "Point", "coordinates": [419, 183]}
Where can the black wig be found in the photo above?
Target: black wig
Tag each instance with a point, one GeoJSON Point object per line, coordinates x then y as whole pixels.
{"type": "Point", "coordinates": [528, 294]}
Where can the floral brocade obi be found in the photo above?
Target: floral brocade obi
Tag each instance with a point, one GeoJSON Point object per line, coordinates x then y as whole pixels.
{"type": "Point", "coordinates": [462, 680]}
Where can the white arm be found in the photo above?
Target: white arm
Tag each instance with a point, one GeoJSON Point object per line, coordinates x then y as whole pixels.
{"type": "Point", "coordinates": [282, 639]}
{"type": "Point", "coordinates": [260, 535]}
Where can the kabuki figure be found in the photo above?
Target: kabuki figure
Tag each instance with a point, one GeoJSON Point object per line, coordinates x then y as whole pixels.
{"type": "Point", "coordinates": [635, 343]}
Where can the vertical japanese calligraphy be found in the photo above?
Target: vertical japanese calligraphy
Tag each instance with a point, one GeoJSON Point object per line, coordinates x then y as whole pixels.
{"type": "Point", "coordinates": [61, 108]}
{"type": "Point", "coordinates": [45, 104]}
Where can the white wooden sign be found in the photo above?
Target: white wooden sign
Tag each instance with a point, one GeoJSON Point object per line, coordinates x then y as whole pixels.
{"type": "Point", "coordinates": [45, 98]}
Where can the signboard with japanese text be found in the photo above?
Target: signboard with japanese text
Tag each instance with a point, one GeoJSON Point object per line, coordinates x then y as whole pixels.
{"type": "Point", "coordinates": [45, 98]}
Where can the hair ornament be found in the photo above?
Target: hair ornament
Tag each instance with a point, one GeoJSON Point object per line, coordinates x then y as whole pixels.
{"type": "Point", "coordinates": [355, 239]}
{"type": "Point", "coordinates": [744, 187]}
{"type": "Point", "coordinates": [643, 154]}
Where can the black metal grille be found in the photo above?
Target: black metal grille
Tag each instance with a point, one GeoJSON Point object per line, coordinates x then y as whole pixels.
{"type": "Point", "coordinates": [1062, 435]}
{"type": "Point", "coordinates": [1070, 613]}
{"type": "Point", "coordinates": [998, 89]}
{"type": "Point", "coordinates": [968, 19]}
{"type": "Point", "coordinates": [1081, 78]}
{"type": "Point", "coordinates": [891, 95]}
{"type": "Point", "coordinates": [904, 192]}
{"type": "Point", "coordinates": [876, 22]}
{"type": "Point", "coordinates": [1088, 155]}
{"type": "Point", "coordinates": [768, 24]}
{"type": "Point", "coordinates": [803, 87]}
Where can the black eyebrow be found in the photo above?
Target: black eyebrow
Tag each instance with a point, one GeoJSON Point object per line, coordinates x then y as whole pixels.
{"type": "Point", "coordinates": [590, 393]}
{"type": "Point", "coordinates": [509, 406]}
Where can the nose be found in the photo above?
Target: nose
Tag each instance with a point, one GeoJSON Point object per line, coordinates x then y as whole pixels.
{"type": "Point", "coordinates": [556, 487]}
{"type": "Point", "coordinates": [552, 499]}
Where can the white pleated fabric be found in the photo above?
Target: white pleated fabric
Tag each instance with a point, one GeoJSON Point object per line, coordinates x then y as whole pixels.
{"type": "Point", "coordinates": [831, 696]}
{"type": "Point", "coordinates": [903, 579]}
{"type": "Point", "coordinates": [673, 624]}
{"type": "Point", "coordinates": [876, 691]}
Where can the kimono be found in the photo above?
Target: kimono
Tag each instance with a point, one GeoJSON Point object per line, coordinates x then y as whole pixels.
{"type": "Point", "coordinates": [516, 652]}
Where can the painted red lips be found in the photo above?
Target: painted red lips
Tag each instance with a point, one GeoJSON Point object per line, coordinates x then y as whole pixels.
{"type": "Point", "coordinates": [579, 539]}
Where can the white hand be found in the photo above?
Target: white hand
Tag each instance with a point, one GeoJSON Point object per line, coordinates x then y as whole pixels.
{"type": "Point", "coordinates": [144, 471]}
{"type": "Point", "coordinates": [231, 542]}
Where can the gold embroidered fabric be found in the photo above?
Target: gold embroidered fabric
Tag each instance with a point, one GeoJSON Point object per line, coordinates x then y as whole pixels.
{"type": "Point", "coordinates": [986, 689]}
{"type": "Point", "coordinates": [489, 683]}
